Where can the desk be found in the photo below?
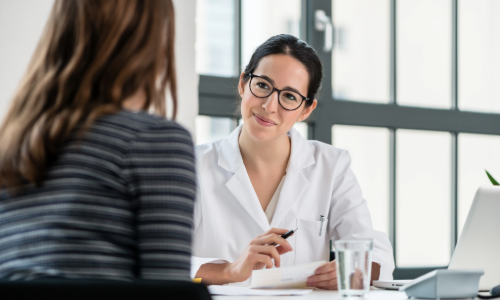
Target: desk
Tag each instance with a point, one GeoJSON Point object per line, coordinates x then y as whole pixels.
{"type": "Point", "coordinates": [375, 294]}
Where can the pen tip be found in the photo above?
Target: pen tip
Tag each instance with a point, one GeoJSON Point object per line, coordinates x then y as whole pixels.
{"type": "Point", "coordinates": [296, 229]}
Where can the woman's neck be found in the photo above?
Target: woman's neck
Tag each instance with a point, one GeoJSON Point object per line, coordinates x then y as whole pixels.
{"type": "Point", "coordinates": [262, 156]}
{"type": "Point", "coordinates": [135, 102]}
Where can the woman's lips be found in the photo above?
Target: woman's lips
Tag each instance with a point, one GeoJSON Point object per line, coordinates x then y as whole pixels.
{"type": "Point", "coordinates": [262, 121]}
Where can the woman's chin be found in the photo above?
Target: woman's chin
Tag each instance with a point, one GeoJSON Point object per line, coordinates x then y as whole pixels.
{"type": "Point", "coordinates": [262, 133]}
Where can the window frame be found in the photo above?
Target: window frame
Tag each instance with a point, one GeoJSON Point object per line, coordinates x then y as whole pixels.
{"type": "Point", "coordinates": [218, 97]}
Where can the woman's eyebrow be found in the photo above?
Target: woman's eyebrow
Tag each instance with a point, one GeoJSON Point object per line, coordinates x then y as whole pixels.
{"type": "Point", "coordinates": [268, 79]}
{"type": "Point", "coordinates": [289, 88]}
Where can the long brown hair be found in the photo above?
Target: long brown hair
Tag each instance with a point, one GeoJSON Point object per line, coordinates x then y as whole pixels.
{"type": "Point", "coordinates": [92, 55]}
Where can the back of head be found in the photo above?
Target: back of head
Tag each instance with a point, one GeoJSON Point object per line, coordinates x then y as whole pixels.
{"type": "Point", "coordinates": [92, 55]}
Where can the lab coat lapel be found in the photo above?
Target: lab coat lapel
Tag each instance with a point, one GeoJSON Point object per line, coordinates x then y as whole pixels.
{"type": "Point", "coordinates": [296, 183]}
{"type": "Point", "coordinates": [239, 184]}
{"type": "Point", "coordinates": [241, 188]}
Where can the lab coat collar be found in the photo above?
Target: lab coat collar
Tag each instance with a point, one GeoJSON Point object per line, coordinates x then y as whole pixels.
{"type": "Point", "coordinates": [240, 186]}
{"type": "Point", "coordinates": [301, 155]}
{"type": "Point", "coordinates": [229, 153]}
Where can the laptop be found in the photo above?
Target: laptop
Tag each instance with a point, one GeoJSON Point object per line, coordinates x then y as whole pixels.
{"type": "Point", "coordinates": [479, 244]}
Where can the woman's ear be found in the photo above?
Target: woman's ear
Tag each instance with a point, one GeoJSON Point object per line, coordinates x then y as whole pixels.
{"type": "Point", "coordinates": [241, 85]}
{"type": "Point", "coordinates": [307, 111]}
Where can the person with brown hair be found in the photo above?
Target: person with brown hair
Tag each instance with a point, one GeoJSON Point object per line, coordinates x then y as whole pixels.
{"type": "Point", "coordinates": [265, 179]}
{"type": "Point", "coordinates": [92, 185]}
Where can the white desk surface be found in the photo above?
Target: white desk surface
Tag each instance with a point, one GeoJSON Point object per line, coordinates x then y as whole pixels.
{"type": "Point", "coordinates": [375, 294]}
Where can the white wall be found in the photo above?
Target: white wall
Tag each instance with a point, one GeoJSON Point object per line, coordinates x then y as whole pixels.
{"type": "Point", "coordinates": [187, 78]}
{"type": "Point", "coordinates": [22, 22]}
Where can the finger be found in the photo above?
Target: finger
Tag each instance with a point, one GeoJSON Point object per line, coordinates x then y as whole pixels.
{"type": "Point", "coordinates": [279, 231]}
{"type": "Point", "coordinates": [265, 259]}
{"type": "Point", "coordinates": [322, 277]}
{"type": "Point", "coordinates": [326, 285]}
{"type": "Point", "coordinates": [270, 251]}
{"type": "Point", "coordinates": [282, 250]}
{"type": "Point", "coordinates": [326, 268]}
{"type": "Point", "coordinates": [273, 238]}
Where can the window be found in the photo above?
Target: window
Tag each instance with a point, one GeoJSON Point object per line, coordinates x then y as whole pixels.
{"type": "Point", "coordinates": [478, 59]}
{"type": "Point", "coordinates": [423, 47]}
{"type": "Point", "coordinates": [370, 154]}
{"type": "Point", "coordinates": [410, 91]}
{"type": "Point", "coordinates": [360, 56]}
{"type": "Point", "coordinates": [210, 129]}
{"type": "Point", "coordinates": [423, 206]}
{"type": "Point", "coordinates": [476, 154]}
{"type": "Point", "coordinates": [262, 19]}
{"type": "Point", "coordinates": [215, 37]}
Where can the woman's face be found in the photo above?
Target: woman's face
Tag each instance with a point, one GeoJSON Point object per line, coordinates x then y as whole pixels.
{"type": "Point", "coordinates": [264, 118]}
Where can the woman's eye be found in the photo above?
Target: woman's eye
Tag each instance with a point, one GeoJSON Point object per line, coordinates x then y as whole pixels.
{"type": "Point", "coordinates": [291, 97]}
{"type": "Point", "coordinates": [262, 85]}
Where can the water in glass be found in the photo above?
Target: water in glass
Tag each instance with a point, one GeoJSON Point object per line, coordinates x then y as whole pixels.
{"type": "Point", "coordinates": [354, 263]}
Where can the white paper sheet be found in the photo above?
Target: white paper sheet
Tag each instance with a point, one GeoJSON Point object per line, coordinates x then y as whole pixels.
{"type": "Point", "coordinates": [227, 290]}
{"type": "Point", "coordinates": [286, 277]}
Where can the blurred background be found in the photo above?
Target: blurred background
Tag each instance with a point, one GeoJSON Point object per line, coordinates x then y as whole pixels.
{"type": "Point", "coordinates": [410, 90]}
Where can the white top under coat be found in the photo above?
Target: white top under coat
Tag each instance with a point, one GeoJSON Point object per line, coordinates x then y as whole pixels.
{"type": "Point", "coordinates": [271, 207]}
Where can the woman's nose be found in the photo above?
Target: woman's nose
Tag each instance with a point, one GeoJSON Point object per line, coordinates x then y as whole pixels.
{"type": "Point", "coordinates": [271, 104]}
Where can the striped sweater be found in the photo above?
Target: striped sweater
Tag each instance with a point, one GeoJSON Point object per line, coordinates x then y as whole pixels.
{"type": "Point", "coordinates": [117, 204]}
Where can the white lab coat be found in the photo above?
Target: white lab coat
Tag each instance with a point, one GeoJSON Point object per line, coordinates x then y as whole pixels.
{"type": "Point", "coordinates": [318, 181]}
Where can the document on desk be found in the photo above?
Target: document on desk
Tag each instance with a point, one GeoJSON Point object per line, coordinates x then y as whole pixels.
{"type": "Point", "coordinates": [227, 290]}
{"type": "Point", "coordinates": [286, 277]}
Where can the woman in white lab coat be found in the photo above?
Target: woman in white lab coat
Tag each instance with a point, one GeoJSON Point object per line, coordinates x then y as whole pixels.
{"type": "Point", "coordinates": [265, 179]}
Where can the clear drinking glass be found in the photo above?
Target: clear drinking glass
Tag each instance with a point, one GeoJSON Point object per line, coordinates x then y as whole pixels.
{"type": "Point", "coordinates": [354, 267]}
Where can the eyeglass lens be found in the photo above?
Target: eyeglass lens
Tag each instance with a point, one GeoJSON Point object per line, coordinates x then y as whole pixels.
{"type": "Point", "coordinates": [263, 88]}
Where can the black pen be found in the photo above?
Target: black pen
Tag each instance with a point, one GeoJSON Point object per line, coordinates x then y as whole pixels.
{"type": "Point", "coordinates": [287, 235]}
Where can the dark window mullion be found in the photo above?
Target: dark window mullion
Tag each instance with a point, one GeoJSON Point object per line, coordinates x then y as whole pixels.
{"type": "Point", "coordinates": [454, 55]}
{"type": "Point", "coordinates": [392, 190]}
{"type": "Point", "coordinates": [237, 37]}
{"type": "Point", "coordinates": [321, 119]}
{"type": "Point", "coordinates": [392, 151]}
{"type": "Point", "coordinates": [454, 191]}
{"type": "Point", "coordinates": [393, 80]}
{"type": "Point", "coordinates": [304, 22]}
{"type": "Point", "coordinates": [454, 106]}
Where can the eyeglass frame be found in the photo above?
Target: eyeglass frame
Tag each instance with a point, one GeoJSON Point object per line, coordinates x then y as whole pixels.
{"type": "Point", "coordinates": [252, 76]}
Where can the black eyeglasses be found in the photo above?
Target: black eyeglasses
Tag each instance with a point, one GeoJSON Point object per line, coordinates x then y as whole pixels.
{"type": "Point", "coordinates": [287, 98]}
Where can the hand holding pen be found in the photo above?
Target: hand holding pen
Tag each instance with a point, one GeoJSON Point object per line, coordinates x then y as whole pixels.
{"type": "Point", "coordinates": [259, 253]}
{"type": "Point", "coordinates": [286, 235]}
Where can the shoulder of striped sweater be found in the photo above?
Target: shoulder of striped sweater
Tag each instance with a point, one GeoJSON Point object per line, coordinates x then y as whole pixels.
{"type": "Point", "coordinates": [142, 121]}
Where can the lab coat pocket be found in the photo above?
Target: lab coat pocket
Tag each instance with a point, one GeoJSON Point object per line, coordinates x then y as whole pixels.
{"type": "Point", "coordinates": [310, 246]}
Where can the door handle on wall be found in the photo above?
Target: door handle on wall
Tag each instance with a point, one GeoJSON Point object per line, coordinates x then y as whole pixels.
{"type": "Point", "coordinates": [324, 23]}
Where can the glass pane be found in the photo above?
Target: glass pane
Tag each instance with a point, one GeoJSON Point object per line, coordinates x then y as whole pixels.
{"type": "Point", "coordinates": [215, 45]}
{"type": "Point", "coordinates": [302, 128]}
{"type": "Point", "coordinates": [209, 129]}
{"type": "Point", "coordinates": [423, 41]}
{"type": "Point", "coordinates": [476, 153]}
{"type": "Point", "coordinates": [479, 55]}
{"type": "Point", "coordinates": [262, 19]}
{"type": "Point", "coordinates": [423, 199]}
{"type": "Point", "coordinates": [369, 149]}
{"type": "Point", "coordinates": [360, 62]}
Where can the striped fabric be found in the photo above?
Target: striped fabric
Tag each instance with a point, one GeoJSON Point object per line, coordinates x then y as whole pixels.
{"type": "Point", "coordinates": [117, 204]}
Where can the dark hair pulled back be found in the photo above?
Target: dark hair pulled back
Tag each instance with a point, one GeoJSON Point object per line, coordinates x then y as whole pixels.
{"type": "Point", "coordinates": [300, 50]}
